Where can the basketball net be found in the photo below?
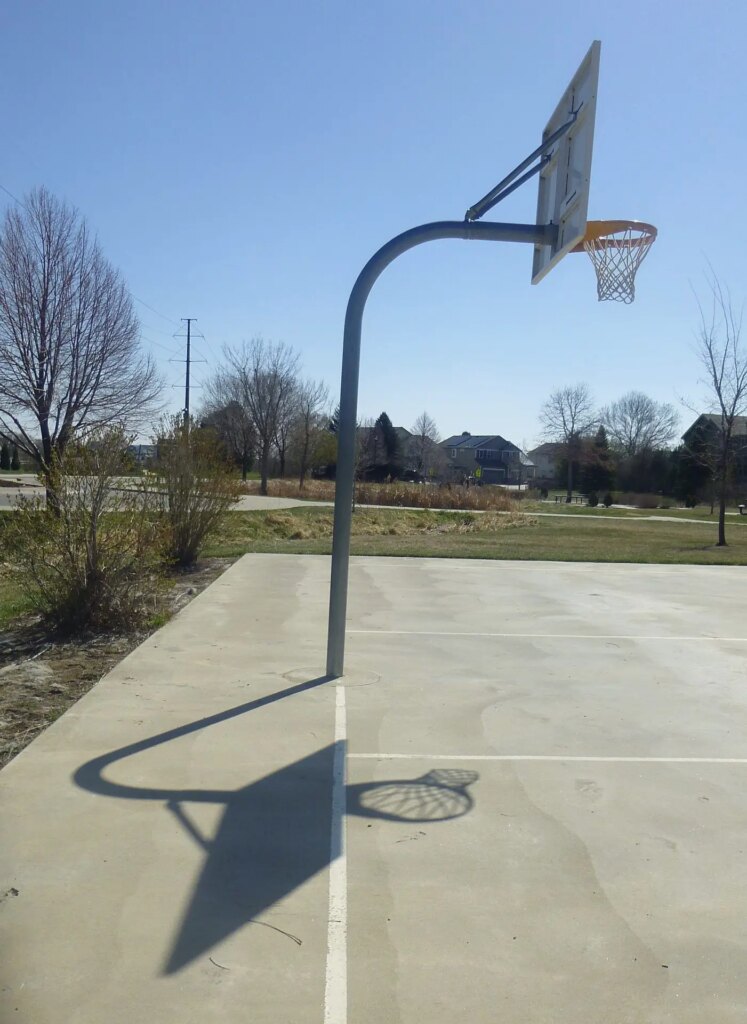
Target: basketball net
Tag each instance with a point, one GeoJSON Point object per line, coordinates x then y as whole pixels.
{"type": "Point", "coordinates": [617, 249]}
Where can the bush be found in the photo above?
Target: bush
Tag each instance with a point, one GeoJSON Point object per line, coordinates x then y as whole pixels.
{"type": "Point", "coordinates": [198, 486]}
{"type": "Point", "coordinates": [593, 499]}
{"type": "Point", "coordinates": [607, 500]}
{"type": "Point", "coordinates": [398, 495]}
{"type": "Point", "coordinates": [88, 564]}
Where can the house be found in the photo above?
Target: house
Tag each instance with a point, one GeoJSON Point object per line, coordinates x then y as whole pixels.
{"type": "Point", "coordinates": [703, 434]}
{"type": "Point", "coordinates": [488, 457]}
{"type": "Point", "coordinates": [545, 458]}
{"type": "Point", "coordinates": [142, 453]}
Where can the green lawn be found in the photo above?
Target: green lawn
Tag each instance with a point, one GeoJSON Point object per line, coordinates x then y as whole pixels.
{"type": "Point", "coordinates": [417, 534]}
{"type": "Point", "coordinates": [427, 534]}
{"type": "Point", "coordinates": [12, 603]}
{"type": "Point", "coordinates": [700, 513]}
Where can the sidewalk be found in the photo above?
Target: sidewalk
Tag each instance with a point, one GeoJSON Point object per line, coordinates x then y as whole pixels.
{"type": "Point", "coordinates": [119, 892]}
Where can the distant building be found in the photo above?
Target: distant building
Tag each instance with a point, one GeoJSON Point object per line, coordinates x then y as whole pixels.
{"type": "Point", "coordinates": [703, 434]}
{"type": "Point", "coordinates": [488, 457]}
{"type": "Point", "coordinates": [546, 457]}
{"type": "Point", "coordinates": [142, 453]}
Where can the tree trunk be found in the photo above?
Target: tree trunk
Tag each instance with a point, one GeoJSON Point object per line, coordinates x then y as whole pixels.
{"type": "Point", "coordinates": [722, 499]}
{"type": "Point", "coordinates": [263, 470]}
{"type": "Point", "coordinates": [569, 491]}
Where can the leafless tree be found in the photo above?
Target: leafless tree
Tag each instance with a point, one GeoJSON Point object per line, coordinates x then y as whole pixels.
{"type": "Point", "coordinates": [567, 416]}
{"type": "Point", "coordinates": [228, 418]}
{"type": "Point", "coordinates": [636, 423]}
{"type": "Point", "coordinates": [285, 424]}
{"type": "Point", "coordinates": [262, 375]}
{"type": "Point", "coordinates": [425, 438]}
{"type": "Point", "coordinates": [310, 423]}
{"type": "Point", "coordinates": [725, 363]}
{"type": "Point", "coordinates": [69, 357]}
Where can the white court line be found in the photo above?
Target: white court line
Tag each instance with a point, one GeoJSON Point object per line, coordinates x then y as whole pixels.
{"type": "Point", "coordinates": [542, 636]}
{"type": "Point", "coordinates": [336, 983]}
{"type": "Point", "coordinates": [548, 757]}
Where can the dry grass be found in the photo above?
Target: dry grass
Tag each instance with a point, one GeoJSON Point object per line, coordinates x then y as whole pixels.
{"type": "Point", "coordinates": [248, 531]}
{"type": "Point", "coordinates": [397, 495]}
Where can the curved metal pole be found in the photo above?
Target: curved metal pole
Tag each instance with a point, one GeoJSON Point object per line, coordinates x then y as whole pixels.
{"type": "Point", "coordinates": [346, 430]}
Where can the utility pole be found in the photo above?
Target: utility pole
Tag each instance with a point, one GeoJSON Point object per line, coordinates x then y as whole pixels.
{"type": "Point", "coordinates": [189, 320]}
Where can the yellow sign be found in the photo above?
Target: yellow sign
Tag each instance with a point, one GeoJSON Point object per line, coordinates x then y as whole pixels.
{"type": "Point", "coordinates": [478, 472]}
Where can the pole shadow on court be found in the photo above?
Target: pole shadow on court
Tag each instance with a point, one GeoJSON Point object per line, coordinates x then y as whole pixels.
{"type": "Point", "coordinates": [275, 833]}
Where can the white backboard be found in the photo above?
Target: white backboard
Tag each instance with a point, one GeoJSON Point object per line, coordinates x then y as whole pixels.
{"type": "Point", "coordinates": [564, 181]}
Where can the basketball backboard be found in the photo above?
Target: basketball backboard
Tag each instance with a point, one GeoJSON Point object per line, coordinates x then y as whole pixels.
{"type": "Point", "coordinates": [564, 179]}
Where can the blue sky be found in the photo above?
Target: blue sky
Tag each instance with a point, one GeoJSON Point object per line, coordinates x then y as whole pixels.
{"type": "Point", "coordinates": [241, 161]}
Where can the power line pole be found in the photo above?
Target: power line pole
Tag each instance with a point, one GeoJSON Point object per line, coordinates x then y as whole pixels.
{"type": "Point", "coordinates": [189, 320]}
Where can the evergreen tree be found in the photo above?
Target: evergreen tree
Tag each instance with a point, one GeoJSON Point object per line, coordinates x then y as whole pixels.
{"type": "Point", "coordinates": [598, 471]}
{"type": "Point", "coordinates": [15, 462]}
{"type": "Point", "coordinates": [5, 456]}
{"type": "Point", "coordinates": [390, 441]}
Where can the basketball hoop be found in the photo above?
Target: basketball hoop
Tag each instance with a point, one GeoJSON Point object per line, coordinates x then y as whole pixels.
{"type": "Point", "coordinates": [617, 248]}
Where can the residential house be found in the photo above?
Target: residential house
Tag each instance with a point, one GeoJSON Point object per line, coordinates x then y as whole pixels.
{"type": "Point", "coordinates": [489, 458]}
{"type": "Point", "coordinates": [545, 458]}
{"type": "Point", "coordinates": [703, 434]}
{"type": "Point", "coordinates": [142, 453]}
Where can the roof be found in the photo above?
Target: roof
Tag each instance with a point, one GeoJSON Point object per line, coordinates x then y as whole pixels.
{"type": "Point", "coordinates": [549, 448]}
{"type": "Point", "coordinates": [466, 441]}
{"type": "Point", "coordinates": [739, 429]}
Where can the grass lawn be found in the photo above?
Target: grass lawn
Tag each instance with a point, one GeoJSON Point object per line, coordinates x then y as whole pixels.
{"type": "Point", "coordinates": [463, 535]}
{"type": "Point", "coordinates": [12, 603]}
{"type": "Point", "coordinates": [700, 513]}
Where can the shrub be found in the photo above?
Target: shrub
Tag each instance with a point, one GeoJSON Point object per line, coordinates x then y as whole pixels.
{"type": "Point", "coordinates": [607, 500]}
{"type": "Point", "coordinates": [89, 563]}
{"type": "Point", "coordinates": [198, 487]}
{"type": "Point", "coordinates": [398, 495]}
{"type": "Point", "coordinates": [593, 499]}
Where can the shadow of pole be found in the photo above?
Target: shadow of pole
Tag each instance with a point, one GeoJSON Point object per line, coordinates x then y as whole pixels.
{"type": "Point", "coordinates": [276, 832]}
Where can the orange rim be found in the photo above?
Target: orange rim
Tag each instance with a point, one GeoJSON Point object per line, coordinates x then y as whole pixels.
{"type": "Point", "coordinates": [600, 232]}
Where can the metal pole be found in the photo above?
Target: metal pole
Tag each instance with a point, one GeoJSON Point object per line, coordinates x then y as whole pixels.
{"type": "Point", "coordinates": [346, 431]}
{"type": "Point", "coordinates": [186, 379]}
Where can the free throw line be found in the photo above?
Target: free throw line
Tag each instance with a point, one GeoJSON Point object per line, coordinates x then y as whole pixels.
{"type": "Point", "coordinates": [548, 757]}
{"type": "Point", "coordinates": [541, 636]}
{"type": "Point", "coordinates": [336, 981]}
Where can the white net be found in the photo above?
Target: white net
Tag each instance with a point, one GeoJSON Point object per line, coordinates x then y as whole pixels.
{"type": "Point", "coordinates": [617, 256]}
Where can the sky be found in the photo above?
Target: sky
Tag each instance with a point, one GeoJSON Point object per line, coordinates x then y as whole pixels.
{"type": "Point", "coordinates": [241, 161]}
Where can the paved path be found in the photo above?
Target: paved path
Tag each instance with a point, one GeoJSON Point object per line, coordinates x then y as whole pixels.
{"type": "Point", "coordinates": [542, 818]}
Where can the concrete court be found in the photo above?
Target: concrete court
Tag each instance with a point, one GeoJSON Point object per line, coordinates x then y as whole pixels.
{"type": "Point", "coordinates": [546, 806]}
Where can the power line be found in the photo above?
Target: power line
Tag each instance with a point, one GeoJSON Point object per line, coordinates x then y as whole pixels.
{"type": "Point", "coordinates": [147, 306]}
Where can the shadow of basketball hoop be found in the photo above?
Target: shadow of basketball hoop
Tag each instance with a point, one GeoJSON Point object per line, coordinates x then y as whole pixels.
{"type": "Point", "coordinates": [275, 833]}
{"type": "Point", "coordinates": [439, 795]}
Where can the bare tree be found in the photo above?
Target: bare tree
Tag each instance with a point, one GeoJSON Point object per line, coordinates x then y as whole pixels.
{"type": "Point", "coordinates": [69, 356]}
{"type": "Point", "coordinates": [636, 423]}
{"type": "Point", "coordinates": [262, 375]}
{"type": "Point", "coordinates": [285, 424]}
{"type": "Point", "coordinates": [232, 425]}
{"type": "Point", "coordinates": [310, 425]}
{"type": "Point", "coordinates": [725, 362]}
{"type": "Point", "coordinates": [567, 416]}
{"type": "Point", "coordinates": [425, 438]}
